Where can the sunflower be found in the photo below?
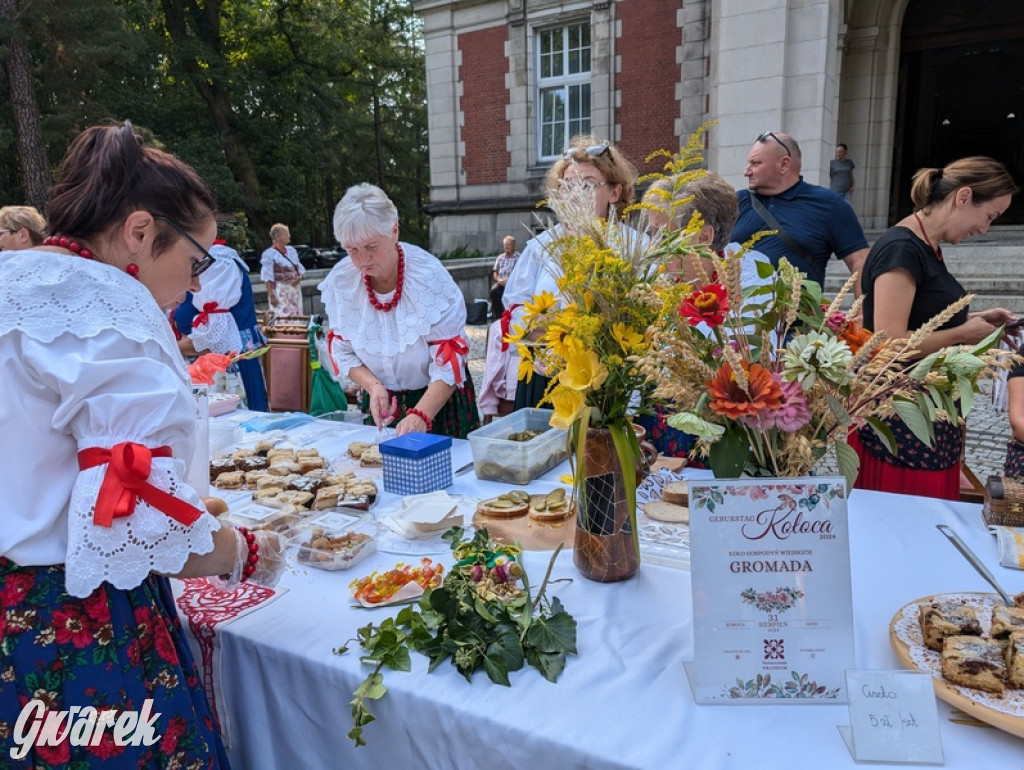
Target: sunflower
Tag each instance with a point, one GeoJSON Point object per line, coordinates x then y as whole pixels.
{"type": "Point", "coordinates": [538, 306]}
{"type": "Point", "coordinates": [730, 400]}
{"type": "Point", "coordinates": [630, 340]}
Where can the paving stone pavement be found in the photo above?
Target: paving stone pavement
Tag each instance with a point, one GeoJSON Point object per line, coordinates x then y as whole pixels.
{"type": "Point", "coordinates": [988, 429]}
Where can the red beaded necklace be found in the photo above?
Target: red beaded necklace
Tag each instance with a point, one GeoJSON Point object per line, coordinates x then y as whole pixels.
{"type": "Point", "coordinates": [75, 247]}
{"type": "Point", "coordinates": [385, 307]}
{"type": "Point", "coordinates": [66, 243]}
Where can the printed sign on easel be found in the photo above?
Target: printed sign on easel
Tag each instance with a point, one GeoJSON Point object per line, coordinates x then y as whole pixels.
{"type": "Point", "coordinates": [773, 614]}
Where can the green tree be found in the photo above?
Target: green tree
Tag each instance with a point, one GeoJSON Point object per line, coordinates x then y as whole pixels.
{"type": "Point", "coordinates": [280, 104]}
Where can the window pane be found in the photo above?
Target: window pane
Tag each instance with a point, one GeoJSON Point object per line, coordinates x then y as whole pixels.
{"type": "Point", "coordinates": [551, 53]}
{"type": "Point", "coordinates": [579, 109]}
{"type": "Point", "coordinates": [579, 48]}
{"type": "Point", "coordinates": [552, 120]}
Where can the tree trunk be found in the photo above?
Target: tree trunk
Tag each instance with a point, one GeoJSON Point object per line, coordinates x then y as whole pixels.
{"type": "Point", "coordinates": [35, 172]}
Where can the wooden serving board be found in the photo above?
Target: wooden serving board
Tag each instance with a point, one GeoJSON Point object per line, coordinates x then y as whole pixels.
{"type": "Point", "coordinates": [531, 535]}
{"type": "Point", "coordinates": [967, 700]}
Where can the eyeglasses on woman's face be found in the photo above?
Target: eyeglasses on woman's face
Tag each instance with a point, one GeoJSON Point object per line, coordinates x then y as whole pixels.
{"type": "Point", "coordinates": [766, 135]}
{"type": "Point", "coordinates": [201, 265]}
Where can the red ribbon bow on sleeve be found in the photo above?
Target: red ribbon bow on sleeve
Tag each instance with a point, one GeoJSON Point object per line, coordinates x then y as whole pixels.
{"type": "Point", "coordinates": [448, 352]}
{"type": "Point", "coordinates": [126, 481]}
{"type": "Point", "coordinates": [331, 337]}
{"type": "Point", "coordinates": [506, 322]}
{"type": "Point", "coordinates": [209, 308]}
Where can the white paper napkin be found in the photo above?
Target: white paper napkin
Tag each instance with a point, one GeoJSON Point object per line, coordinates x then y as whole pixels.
{"type": "Point", "coordinates": [1010, 541]}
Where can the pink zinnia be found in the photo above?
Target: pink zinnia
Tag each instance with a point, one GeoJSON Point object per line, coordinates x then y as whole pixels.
{"type": "Point", "coordinates": [791, 416]}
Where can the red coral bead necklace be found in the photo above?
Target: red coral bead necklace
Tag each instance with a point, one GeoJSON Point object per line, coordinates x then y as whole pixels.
{"type": "Point", "coordinates": [385, 307]}
{"type": "Point", "coordinates": [66, 243]}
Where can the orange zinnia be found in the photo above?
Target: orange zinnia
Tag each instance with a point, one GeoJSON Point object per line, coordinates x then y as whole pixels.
{"type": "Point", "coordinates": [730, 400]}
{"type": "Point", "coordinates": [854, 335]}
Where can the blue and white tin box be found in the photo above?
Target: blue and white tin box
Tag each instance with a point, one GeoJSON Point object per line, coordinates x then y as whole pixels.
{"type": "Point", "coordinates": [417, 463]}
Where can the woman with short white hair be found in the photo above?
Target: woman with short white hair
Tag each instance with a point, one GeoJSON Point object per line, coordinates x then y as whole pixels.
{"type": "Point", "coordinates": [396, 322]}
{"type": "Point", "coordinates": [281, 271]}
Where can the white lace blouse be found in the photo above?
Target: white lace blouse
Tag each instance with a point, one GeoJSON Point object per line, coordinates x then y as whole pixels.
{"type": "Point", "coordinates": [272, 256]}
{"type": "Point", "coordinates": [395, 346]}
{"type": "Point", "coordinates": [222, 288]}
{"type": "Point", "coordinates": [87, 359]}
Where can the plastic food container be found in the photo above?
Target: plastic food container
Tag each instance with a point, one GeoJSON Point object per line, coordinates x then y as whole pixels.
{"type": "Point", "coordinates": [334, 541]}
{"type": "Point", "coordinates": [417, 463]}
{"type": "Point", "coordinates": [344, 416]}
{"type": "Point", "coordinates": [256, 517]}
{"type": "Point", "coordinates": [497, 458]}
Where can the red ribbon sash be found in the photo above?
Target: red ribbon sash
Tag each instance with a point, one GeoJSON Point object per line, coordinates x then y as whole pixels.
{"type": "Point", "coordinates": [448, 352]}
{"type": "Point", "coordinates": [126, 481]}
{"type": "Point", "coordinates": [209, 308]}
{"type": "Point", "coordinates": [331, 337]}
{"type": "Point", "coordinates": [506, 323]}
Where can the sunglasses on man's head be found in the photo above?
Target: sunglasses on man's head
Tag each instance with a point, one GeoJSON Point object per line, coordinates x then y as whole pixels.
{"type": "Point", "coordinates": [766, 135]}
{"type": "Point", "coordinates": [201, 265]}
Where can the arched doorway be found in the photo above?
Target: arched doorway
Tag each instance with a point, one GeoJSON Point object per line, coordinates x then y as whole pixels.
{"type": "Point", "coordinates": [960, 91]}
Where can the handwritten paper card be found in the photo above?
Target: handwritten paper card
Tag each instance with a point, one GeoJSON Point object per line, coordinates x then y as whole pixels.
{"type": "Point", "coordinates": [773, 615]}
{"type": "Point", "coordinates": [893, 717]}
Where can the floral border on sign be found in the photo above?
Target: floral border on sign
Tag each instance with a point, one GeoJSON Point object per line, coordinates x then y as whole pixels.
{"type": "Point", "coordinates": [781, 599]}
{"type": "Point", "coordinates": [761, 686]}
{"type": "Point", "coordinates": [807, 496]}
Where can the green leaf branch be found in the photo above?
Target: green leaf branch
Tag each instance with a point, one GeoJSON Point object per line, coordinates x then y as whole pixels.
{"type": "Point", "coordinates": [479, 617]}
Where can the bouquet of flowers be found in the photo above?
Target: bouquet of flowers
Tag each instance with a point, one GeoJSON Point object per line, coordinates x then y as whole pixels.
{"type": "Point", "coordinates": [770, 377]}
{"type": "Point", "coordinates": [587, 339]}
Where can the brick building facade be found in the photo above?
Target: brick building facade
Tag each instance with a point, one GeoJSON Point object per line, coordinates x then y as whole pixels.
{"type": "Point", "coordinates": [509, 81]}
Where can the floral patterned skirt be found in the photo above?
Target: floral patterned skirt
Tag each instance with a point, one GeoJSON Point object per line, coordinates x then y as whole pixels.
{"type": "Point", "coordinates": [669, 441]}
{"type": "Point", "coordinates": [1013, 466]}
{"type": "Point", "coordinates": [112, 651]}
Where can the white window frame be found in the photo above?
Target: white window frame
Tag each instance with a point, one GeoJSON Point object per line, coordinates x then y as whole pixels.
{"type": "Point", "coordinates": [564, 75]}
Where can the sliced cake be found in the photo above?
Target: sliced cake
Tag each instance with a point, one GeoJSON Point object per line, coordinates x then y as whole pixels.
{"type": "Point", "coordinates": [974, 662]}
{"type": "Point", "coordinates": [951, 618]}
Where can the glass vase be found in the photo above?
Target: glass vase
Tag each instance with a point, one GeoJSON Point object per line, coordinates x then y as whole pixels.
{"type": "Point", "coordinates": [606, 547]}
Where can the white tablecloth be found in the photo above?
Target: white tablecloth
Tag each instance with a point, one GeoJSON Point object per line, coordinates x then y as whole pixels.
{"type": "Point", "coordinates": [623, 702]}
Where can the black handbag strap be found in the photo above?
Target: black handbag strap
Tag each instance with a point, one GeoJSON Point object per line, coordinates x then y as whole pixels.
{"type": "Point", "coordinates": [796, 249]}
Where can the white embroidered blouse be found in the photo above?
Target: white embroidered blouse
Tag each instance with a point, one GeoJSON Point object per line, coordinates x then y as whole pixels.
{"type": "Point", "coordinates": [222, 288]}
{"type": "Point", "coordinates": [399, 347]}
{"type": "Point", "coordinates": [87, 359]}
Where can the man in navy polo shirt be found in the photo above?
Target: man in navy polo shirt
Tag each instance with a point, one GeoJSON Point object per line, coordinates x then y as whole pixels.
{"type": "Point", "coordinates": [817, 222]}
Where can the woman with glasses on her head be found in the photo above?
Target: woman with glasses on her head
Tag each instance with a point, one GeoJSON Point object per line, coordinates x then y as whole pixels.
{"type": "Point", "coordinates": [21, 227]}
{"type": "Point", "coordinates": [599, 167]}
{"type": "Point", "coordinates": [98, 416]}
{"type": "Point", "coordinates": [905, 284]}
{"type": "Point", "coordinates": [396, 322]}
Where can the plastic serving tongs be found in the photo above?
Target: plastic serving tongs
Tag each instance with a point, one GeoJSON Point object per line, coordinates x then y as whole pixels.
{"type": "Point", "coordinates": [974, 561]}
